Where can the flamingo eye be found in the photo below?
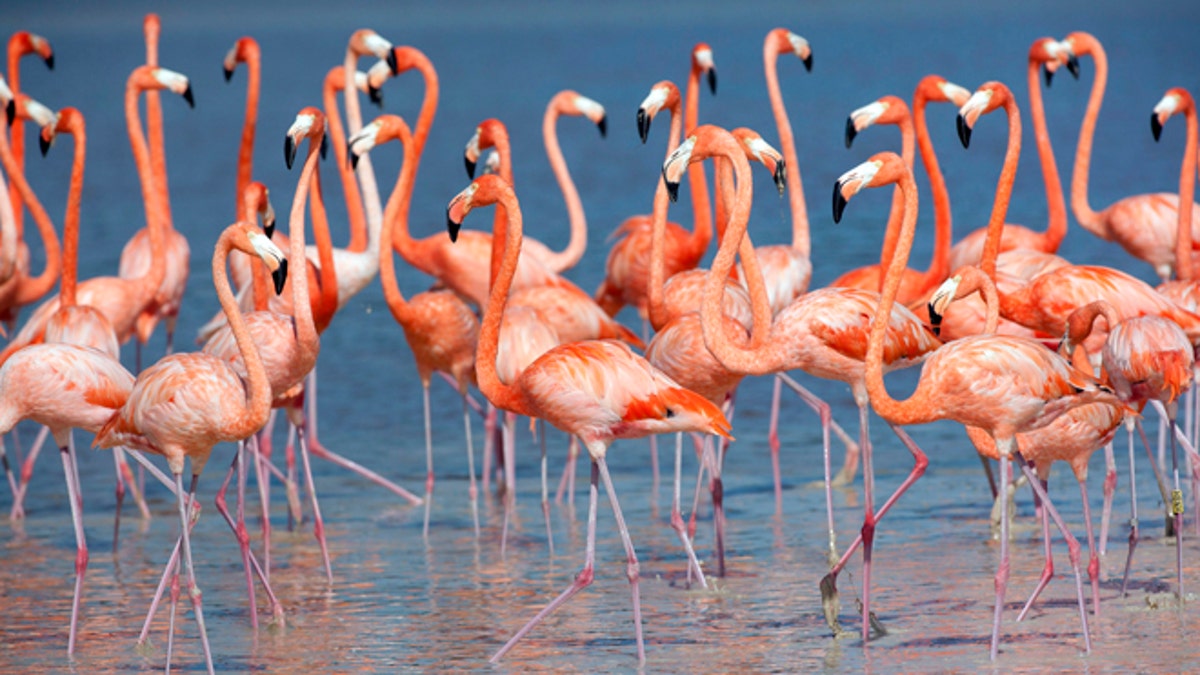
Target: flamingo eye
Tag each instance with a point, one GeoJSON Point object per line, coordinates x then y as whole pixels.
{"type": "Point", "coordinates": [669, 413]}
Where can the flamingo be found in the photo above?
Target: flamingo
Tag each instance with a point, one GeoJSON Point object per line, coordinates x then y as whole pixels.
{"type": "Point", "coordinates": [185, 404]}
{"type": "Point", "coordinates": [136, 257]}
{"type": "Point", "coordinates": [364, 42]}
{"type": "Point", "coordinates": [22, 43]}
{"type": "Point", "coordinates": [627, 267]}
{"type": "Point", "coordinates": [597, 389]}
{"type": "Point", "coordinates": [1000, 384]}
{"type": "Point", "coordinates": [441, 330]}
{"type": "Point", "coordinates": [1144, 225]}
{"type": "Point", "coordinates": [120, 299]}
{"type": "Point", "coordinates": [20, 288]}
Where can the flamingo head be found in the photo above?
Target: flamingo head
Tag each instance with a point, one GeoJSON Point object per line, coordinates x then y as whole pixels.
{"type": "Point", "coordinates": [662, 95]}
{"type": "Point", "coordinates": [23, 42]}
{"type": "Point", "coordinates": [491, 133]}
{"type": "Point", "coordinates": [799, 46]}
{"type": "Point", "coordinates": [673, 409]}
{"type": "Point", "coordinates": [702, 64]}
{"type": "Point", "coordinates": [569, 102]}
{"type": "Point", "coordinates": [381, 130]}
{"type": "Point", "coordinates": [883, 168]}
{"type": "Point", "coordinates": [257, 200]}
{"type": "Point", "coordinates": [245, 50]}
{"type": "Point", "coordinates": [366, 42]}
{"type": "Point", "coordinates": [676, 165]}
{"type": "Point", "coordinates": [988, 97]}
{"type": "Point", "coordinates": [310, 124]}
{"type": "Point", "coordinates": [940, 301]}
{"type": "Point", "coordinates": [68, 120]}
{"type": "Point", "coordinates": [1176, 100]}
{"type": "Point", "coordinates": [758, 150]}
{"type": "Point", "coordinates": [10, 104]}
{"type": "Point", "coordinates": [1051, 54]}
{"type": "Point", "coordinates": [886, 110]}
{"type": "Point", "coordinates": [246, 238]}
{"type": "Point", "coordinates": [482, 191]}
{"type": "Point", "coordinates": [151, 77]}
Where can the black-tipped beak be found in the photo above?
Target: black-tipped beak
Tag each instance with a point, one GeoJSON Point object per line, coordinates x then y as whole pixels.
{"type": "Point", "coordinates": [1047, 75]}
{"type": "Point", "coordinates": [324, 147]}
{"type": "Point", "coordinates": [643, 125]}
{"type": "Point", "coordinates": [935, 321]}
{"type": "Point", "coordinates": [289, 151]}
{"type": "Point", "coordinates": [672, 188]}
{"type": "Point", "coordinates": [452, 227]}
{"type": "Point", "coordinates": [1073, 65]}
{"type": "Point", "coordinates": [187, 96]}
{"type": "Point", "coordinates": [851, 132]}
{"type": "Point", "coordinates": [228, 73]}
{"type": "Point", "coordinates": [964, 132]}
{"type": "Point", "coordinates": [351, 157]}
{"type": "Point", "coordinates": [780, 176]}
{"type": "Point", "coordinates": [807, 61]}
{"type": "Point", "coordinates": [1155, 126]}
{"type": "Point", "coordinates": [712, 80]}
{"type": "Point", "coordinates": [10, 111]}
{"type": "Point", "coordinates": [43, 144]}
{"type": "Point", "coordinates": [50, 62]}
{"type": "Point", "coordinates": [470, 167]}
{"type": "Point", "coordinates": [392, 63]}
{"type": "Point", "coordinates": [376, 96]}
{"type": "Point", "coordinates": [279, 276]}
{"type": "Point", "coordinates": [269, 228]}
{"type": "Point", "coordinates": [839, 202]}
{"type": "Point", "coordinates": [603, 124]}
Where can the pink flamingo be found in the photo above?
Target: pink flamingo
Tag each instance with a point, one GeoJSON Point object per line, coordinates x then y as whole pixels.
{"type": "Point", "coordinates": [970, 381]}
{"type": "Point", "coordinates": [136, 257]}
{"type": "Point", "coordinates": [22, 43]}
{"type": "Point", "coordinates": [185, 404]}
{"type": "Point", "coordinates": [1144, 225]}
{"type": "Point", "coordinates": [597, 390]}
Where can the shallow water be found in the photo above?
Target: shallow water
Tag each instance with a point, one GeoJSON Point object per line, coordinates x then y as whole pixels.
{"type": "Point", "coordinates": [449, 601]}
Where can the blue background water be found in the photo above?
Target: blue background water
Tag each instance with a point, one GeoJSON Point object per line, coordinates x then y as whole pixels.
{"type": "Point", "coordinates": [451, 600]}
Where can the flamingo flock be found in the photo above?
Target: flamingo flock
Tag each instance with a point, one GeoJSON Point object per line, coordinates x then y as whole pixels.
{"type": "Point", "coordinates": [1039, 358]}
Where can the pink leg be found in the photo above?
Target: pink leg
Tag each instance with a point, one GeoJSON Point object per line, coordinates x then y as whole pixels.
{"type": "Point", "coordinates": [567, 482]}
{"type": "Point", "coordinates": [428, 461]}
{"type": "Point", "coordinates": [239, 532]}
{"type": "Point", "coordinates": [473, 489]}
{"type": "Point", "coordinates": [773, 442]}
{"type": "Point", "coordinates": [295, 511]}
{"type": "Point", "coordinates": [582, 580]}
{"type": "Point", "coordinates": [677, 517]}
{"type": "Point", "coordinates": [262, 478]}
{"type": "Point", "coordinates": [81, 551]}
{"type": "Point", "coordinates": [829, 596]}
{"type": "Point", "coordinates": [852, 451]}
{"type": "Point", "coordinates": [1110, 488]}
{"type": "Point", "coordinates": [654, 470]}
{"type": "Point", "coordinates": [489, 435]}
{"type": "Point", "coordinates": [631, 561]}
{"type": "Point", "coordinates": [318, 522]}
{"type": "Point", "coordinates": [18, 507]}
{"type": "Point", "coordinates": [510, 476]}
{"type": "Point", "coordinates": [1093, 559]}
{"type": "Point", "coordinates": [987, 471]}
{"type": "Point", "coordinates": [1001, 581]}
{"type": "Point", "coordinates": [1133, 519]}
{"type": "Point", "coordinates": [704, 451]}
{"type": "Point", "coordinates": [1072, 545]}
{"type": "Point", "coordinates": [546, 494]}
{"type": "Point", "coordinates": [330, 456]}
{"type": "Point", "coordinates": [193, 589]}
{"type": "Point", "coordinates": [1048, 568]}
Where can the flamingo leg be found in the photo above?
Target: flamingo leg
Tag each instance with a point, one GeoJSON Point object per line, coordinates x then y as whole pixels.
{"type": "Point", "coordinates": [868, 526]}
{"type": "Point", "coordinates": [295, 511]}
{"type": "Point", "coordinates": [263, 479]}
{"type": "Point", "coordinates": [19, 489]}
{"type": "Point", "coordinates": [773, 442]}
{"type": "Point", "coordinates": [318, 522]}
{"type": "Point", "coordinates": [489, 435]}
{"type": "Point", "coordinates": [1133, 519]}
{"type": "Point", "coordinates": [193, 589]}
{"type": "Point", "coordinates": [1110, 488]}
{"type": "Point", "coordinates": [582, 580]}
{"type": "Point", "coordinates": [654, 469]}
{"type": "Point", "coordinates": [472, 489]}
{"type": "Point", "coordinates": [566, 484]}
{"type": "Point", "coordinates": [510, 478]}
{"type": "Point", "coordinates": [1072, 545]}
{"type": "Point", "coordinates": [987, 471]}
{"type": "Point", "coordinates": [330, 456]}
{"type": "Point", "coordinates": [239, 531]}
{"type": "Point", "coordinates": [1093, 559]}
{"type": "Point", "coordinates": [1048, 568]}
{"type": "Point", "coordinates": [631, 564]}
{"type": "Point", "coordinates": [826, 414]}
{"type": "Point", "coordinates": [546, 494]}
{"type": "Point", "coordinates": [704, 452]}
{"type": "Point", "coordinates": [677, 517]}
{"type": "Point", "coordinates": [1001, 581]}
{"type": "Point", "coordinates": [81, 550]}
{"type": "Point", "coordinates": [428, 460]}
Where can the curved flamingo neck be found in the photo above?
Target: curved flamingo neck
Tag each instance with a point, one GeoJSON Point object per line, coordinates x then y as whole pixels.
{"type": "Point", "coordinates": [503, 149]}
{"type": "Point", "coordinates": [1187, 191]}
{"type": "Point", "coordinates": [908, 154]}
{"type": "Point", "coordinates": [702, 223]}
{"type": "Point", "coordinates": [396, 210]}
{"type": "Point", "coordinates": [366, 173]}
{"type": "Point", "coordinates": [16, 131]}
{"type": "Point", "coordinates": [656, 310]}
{"type": "Point", "coordinates": [1087, 218]}
{"type": "Point", "coordinates": [787, 142]}
{"type": "Point", "coordinates": [939, 264]}
{"type": "Point", "coordinates": [70, 274]}
{"type": "Point", "coordinates": [973, 279]}
{"type": "Point", "coordinates": [1081, 322]}
{"type": "Point", "coordinates": [246, 149]}
{"type": "Point", "coordinates": [1008, 175]}
{"type": "Point", "coordinates": [306, 331]}
{"type": "Point", "coordinates": [504, 396]}
{"type": "Point", "coordinates": [258, 274]}
{"type": "Point", "coordinates": [258, 403]}
{"type": "Point", "coordinates": [910, 411]}
{"type": "Point", "coordinates": [337, 135]}
{"type": "Point", "coordinates": [30, 289]}
{"type": "Point", "coordinates": [326, 302]}
{"type": "Point", "coordinates": [722, 146]}
{"type": "Point", "coordinates": [1056, 229]}
{"type": "Point", "coordinates": [141, 155]}
{"type": "Point", "coordinates": [161, 204]}
{"type": "Point", "coordinates": [420, 133]}
{"type": "Point", "coordinates": [568, 257]}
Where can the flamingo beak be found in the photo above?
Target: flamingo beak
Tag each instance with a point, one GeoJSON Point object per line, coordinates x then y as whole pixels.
{"type": "Point", "coordinates": [603, 124]}
{"type": "Point", "coordinates": [10, 111]}
{"type": "Point", "coordinates": [392, 63]}
{"type": "Point", "coordinates": [780, 176]}
{"type": "Point", "coordinates": [712, 80]}
{"type": "Point", "coordinates": [1155, 126]}
{"type": "Point", "coordinates": [807, 61]}
{"type": "Point", "coordinates": [1073, 65]}
{"type": "Point", "coordinates": [839, 202]}
{"type": "Point", "coordinates": [964, 131]}
{"type": "Point", "coordinates": [643, 121]}
{"type": "Point", "coordinates": [228, 73]}
{"type": "Point", "coordinates": [289, 151]}
{"type": "Point", "coordinates": [452, 227]}
{"type": "Point", "coordinates": [851, 132]}
{"type": "Point", "coordinates": [43, 144]}
{"type": "Point", "coordinates": [279, 276]}
{"type": "Point", "coordinates": [376, 95]}
{"type": "Point", "coordinates": [187, 96]}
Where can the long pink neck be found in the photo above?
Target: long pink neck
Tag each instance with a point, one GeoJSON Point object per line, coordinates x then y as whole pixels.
{"type": "Point", "coordinates": [503, 396]}
{"type": "Point", "coordinates": [908, 154]}
{"type": "Point", "coordinates": [161, 204]}
{"type": "Point", "coordinates": [246, 149]}
{"type": "Point", "coordinates": [32, 288]}
{"type": "Point", "coordinates": [1087, 218]}
{"type": "Point", "coordinates": [258, 403]}
{"type": "Point", "coordinates": [939, 264]}
{"type": "Point", "coordinates": [372, 206]}
{"type": "Point", "coordinates": [1008, 175]}
{"type": "Point", "coordinates": [337, 136]}
{"type": "Point", "coordinates": [70, 274]}
{"type": "Point", "coordinates": [1187, 191]}
{"type": "Point", "coordinates": [1056, 230]}
{"type": "Point", "coordinates": [420, 132]}
{"type": "Point", "coordinates": [141, 155]}
{"type": "Point", "coordinates": [655, 307]}
{"type": "Point", "coordinates": [397, 210]}
{"type": "Point", "coordinates": [306, 332]}
{"type": "Point", "coordinates": [16, 132]}
{"type": "Point", "coordinates": [568, 257]}
{"type": "Point", "coordinates": [702, 227]}
{"type": "Point", "coordinates": [787, 142]}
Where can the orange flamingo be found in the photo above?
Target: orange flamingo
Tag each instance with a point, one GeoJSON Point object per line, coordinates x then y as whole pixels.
{"type": "Point", "coordinates": [120, 299]}
{"type": "Point", "coordinates": [185, 404]}
{"type": "Point", "coordinates": [441, 330]}
{"type": "Point", "coordinates": [1000, 384]}
{"type": "Point", "coordinates": [1047, 55]}
{"type": "Point", "coordinates": [22, 43]}
{"type": "Point", "coordinates": [64, 386]}
{"type": "Point", "coordinates": [365, 42]}
{"type": "Point", "coordinates": [597, 390]}
{"type": "Point", "coordinates": [136, 257]}
{"type": "Point", "coordinates": [1144, 225]}
{"type": "Point", "coordinates": [20, 288]}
